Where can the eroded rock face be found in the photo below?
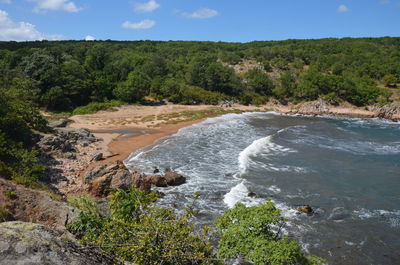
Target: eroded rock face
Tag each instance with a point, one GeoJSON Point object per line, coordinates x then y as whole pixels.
{"type": "Point", "coordinates": [37, 206]}
{"type": "Point", "coordinates": [28, 244]}
{"type": "Point", "coordinates": [391, 111]}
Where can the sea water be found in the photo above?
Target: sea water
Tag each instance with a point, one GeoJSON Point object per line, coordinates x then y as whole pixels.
{"type": "Point", "coordinates": [346, 169]}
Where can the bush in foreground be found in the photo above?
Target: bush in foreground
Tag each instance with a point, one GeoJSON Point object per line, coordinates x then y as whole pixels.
{"type": "Point", "coordinates": [138, 231]}
{"type": "Point", "coordinates": [255, 233]}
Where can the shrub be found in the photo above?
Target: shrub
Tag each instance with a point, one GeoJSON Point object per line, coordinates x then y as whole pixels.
{"type": "Point", "coordinates": [94, 107]}
{"type": "Point", "coordinates": [138, 231]}
{"type": "Point", "coordinates": [11, 194]}
{"type": "Point", "coordinates": [5, 215]}
{"type": "Point", "coordinates": [255, 233]}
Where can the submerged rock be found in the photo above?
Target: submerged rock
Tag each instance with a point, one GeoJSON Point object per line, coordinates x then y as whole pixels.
{"type": "Point", "coordinates": [252, 195]}
{"type": "Point", "coordinates": [29, 243]}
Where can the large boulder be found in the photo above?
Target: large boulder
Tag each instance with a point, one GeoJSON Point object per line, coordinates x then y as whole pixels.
{"type": "Point", "coordinates": [174, 179]}
{"type": "Point", "coordinates": [37, 206]}
{"type": "Point", "coordinates": [116, 176]}
{"type": "Point", "coordinates": [157, 180]}
{"type": "Point", "coordinates": [30, 244]}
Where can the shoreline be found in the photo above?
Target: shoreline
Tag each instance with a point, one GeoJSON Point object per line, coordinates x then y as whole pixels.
{"type": "Point", "coordinates": [118, 146]}
{"type": "Point", "coordinates": [131, 128]}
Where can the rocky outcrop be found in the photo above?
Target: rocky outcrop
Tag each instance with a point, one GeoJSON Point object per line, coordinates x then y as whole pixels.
{"type": "Point", "coordinates": [317, 107]}
{"type": "Point", "coordinates": [37, 206]}
{"type": "Point", "coordinates": [390, 111]}
{"type": "Point", "coordinates": [157, 180]}
{"type": "Point", "coordinates": [61, 123]}
{"type": "Point", "coordinates": [102, 178]}
{"type": "Point", "coordinates": [27, 243]}
{"type": "Point", "coordinates": [174, 179]}
{"type": "Point", "coordinates": [64, 140]}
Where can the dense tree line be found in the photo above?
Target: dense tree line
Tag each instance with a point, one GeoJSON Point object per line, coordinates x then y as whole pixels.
{"type": "Point", "coordinates": [63, 75]}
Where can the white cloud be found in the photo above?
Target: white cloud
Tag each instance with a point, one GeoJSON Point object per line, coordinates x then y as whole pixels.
{"type": "Point", "coordinates": [90, 38]}
{"type": "Point", "coordinates": [201, 13]}
{"type": "Point", "coordinates": [144, 24]}
{"type": "Point", "coordinates": [146, 7]}
{"type": "Point", "coordinates": [21, 31]}
{"type": "Point", "coordinates": [5, 1]}
{"type": "Point", "coordinates": [343, 9]}
{"type": "Point", "coordinates": [56, 5]}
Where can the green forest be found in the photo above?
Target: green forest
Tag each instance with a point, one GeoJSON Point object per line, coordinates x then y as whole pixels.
{"type": "Point", "coordinates": [64, 75]}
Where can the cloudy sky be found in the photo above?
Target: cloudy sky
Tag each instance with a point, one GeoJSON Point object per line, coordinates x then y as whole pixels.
{"type": "Point", "coordinates": [214, 20]}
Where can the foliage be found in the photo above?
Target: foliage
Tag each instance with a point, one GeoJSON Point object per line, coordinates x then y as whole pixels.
{"type": "Point", "coordinates": [138, 231]}
{"type": "Point", "coordinates": [255, 233]}
{"type": "Point", "coordinates": [5, 215]}
{"type": "Point", "coordinates": [94, 107]}
{"type": "Point", "coordinates": [134, 88]}
{"type": "Point", "coordinates": [390, 80]}
{"type": "Point", "coordinates": [259, 82]}
{"type": "Point", "coordinates": [64, 75]}
{"type": "Point", "coordinates": [17, 159]}
{"type": "Point", "coordinates": [11, 194]}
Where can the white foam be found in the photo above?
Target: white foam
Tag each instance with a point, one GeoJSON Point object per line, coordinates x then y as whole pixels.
{"type": "Point", "coordinates": [240, 193]}
{"type": "Point", "coordinates": [391, 217]}
{"type": "Point", "coordinates": [262, 145]}
{"type": "Point", "coordinates": [349, 243]}
{"type": "Point", "coordinates": [274, 189]}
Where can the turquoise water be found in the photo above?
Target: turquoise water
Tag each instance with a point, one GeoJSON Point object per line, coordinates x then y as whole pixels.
{"type": "Point", "coordinates": [347, 169]}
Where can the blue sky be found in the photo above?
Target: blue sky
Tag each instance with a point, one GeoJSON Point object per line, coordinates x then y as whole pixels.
{"type": "Point", "coordinates": [217, 20]}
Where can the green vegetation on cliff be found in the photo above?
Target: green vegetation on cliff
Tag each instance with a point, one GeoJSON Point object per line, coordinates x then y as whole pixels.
{"type": "Point", "coordinates": [18, 117]}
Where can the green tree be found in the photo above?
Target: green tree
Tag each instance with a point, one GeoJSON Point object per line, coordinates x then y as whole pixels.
{"type": "Point", "coordinates": [134, 88]}
{"type": "Point", "coordinates": [390, 80]}
{"type": "Point", "coordinates": [259, 82]}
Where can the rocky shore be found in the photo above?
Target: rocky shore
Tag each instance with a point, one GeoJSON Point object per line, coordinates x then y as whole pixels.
{"type": "Point", "coordinates": [83, 161]}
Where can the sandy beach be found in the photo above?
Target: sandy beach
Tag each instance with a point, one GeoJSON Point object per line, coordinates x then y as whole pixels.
{"type": "Point", "coordinates": [133, 127]}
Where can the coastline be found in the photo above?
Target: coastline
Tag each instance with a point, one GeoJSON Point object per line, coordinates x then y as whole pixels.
{"type": "Point", "coordinates": [131, 128]}
{"type": "Point", "coordinates": [121, 136]}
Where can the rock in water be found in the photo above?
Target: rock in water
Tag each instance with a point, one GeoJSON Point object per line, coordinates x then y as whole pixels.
{"type": "Point", "coordinates": [252, 195]}
{"type": "Point", "coordinates": [29, 243]}
{"type": "Point", "coordinates": [174, 179]}
{"type": "Point", "coordinates": [306, 209]}
{"type": "Point", "coordinates": [157, 180]}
